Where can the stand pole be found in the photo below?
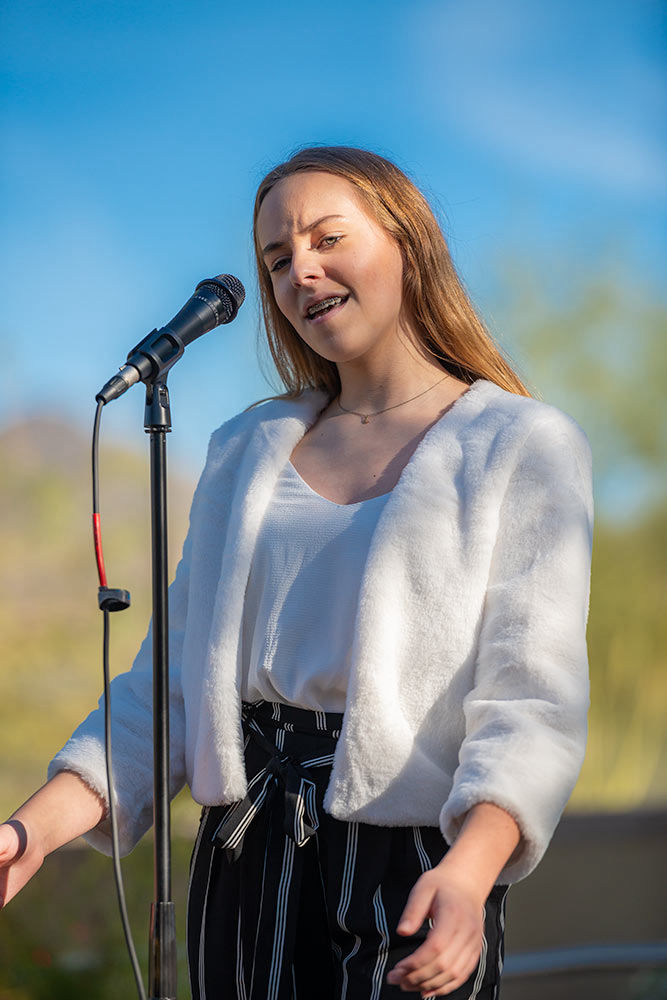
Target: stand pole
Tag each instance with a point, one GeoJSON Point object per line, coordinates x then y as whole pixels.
{"type": "Point", "coordinates": [162, 973]}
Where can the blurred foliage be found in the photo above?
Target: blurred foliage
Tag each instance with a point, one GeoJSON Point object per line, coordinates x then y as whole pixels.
{"type": "Point", "coordinates": [596, 347]}
{"type": "Point", "coordinates": [626, 760]}
{"type": "Point", "coordinates": [62, 938]}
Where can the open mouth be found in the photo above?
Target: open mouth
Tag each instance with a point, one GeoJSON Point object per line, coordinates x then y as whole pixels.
{"type": "Point", "coordinates": [325, 306]}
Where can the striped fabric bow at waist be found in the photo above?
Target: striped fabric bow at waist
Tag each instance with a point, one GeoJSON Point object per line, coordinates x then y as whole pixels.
{"type": "Point", "coordinates": [281, 771]}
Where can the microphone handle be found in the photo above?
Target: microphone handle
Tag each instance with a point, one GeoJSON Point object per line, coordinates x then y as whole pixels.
{"type": "Point", "coordinates": [153, 356]}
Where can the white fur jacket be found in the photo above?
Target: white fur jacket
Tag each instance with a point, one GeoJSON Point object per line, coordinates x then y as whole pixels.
{"type": "Point", "coordinates": [469, 679]}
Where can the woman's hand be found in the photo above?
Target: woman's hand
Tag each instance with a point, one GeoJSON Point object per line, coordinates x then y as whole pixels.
{"type": "Point", "coordinates": [63, 809]}
{"type": "Point", "coordinates": [452, 896]}
{"type": "Point", "coordinates": [19, 859]}
{"type": "Point", "coordinates": [452, 947]}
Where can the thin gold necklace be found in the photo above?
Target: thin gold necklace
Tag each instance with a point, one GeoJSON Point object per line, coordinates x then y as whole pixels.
{"type": "Point", "coordinates": [365, 417]}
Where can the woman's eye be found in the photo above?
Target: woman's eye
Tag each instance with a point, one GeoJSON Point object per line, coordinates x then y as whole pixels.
{"type": "Point", "coordinates": [330, 241]}
{"type": "Point", "coordinates": [278, 264]}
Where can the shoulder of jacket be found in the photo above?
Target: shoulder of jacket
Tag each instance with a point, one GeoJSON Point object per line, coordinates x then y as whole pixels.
{"type": "Point", "coordinates": [238, 430]}
{"type": "Point", "coordinates": [268, 411]}
{"type": "Point", "coordinates": [523, 417]}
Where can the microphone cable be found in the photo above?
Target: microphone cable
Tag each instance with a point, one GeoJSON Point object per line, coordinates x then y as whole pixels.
{"type": "Point", "coordinates": [110, 600]}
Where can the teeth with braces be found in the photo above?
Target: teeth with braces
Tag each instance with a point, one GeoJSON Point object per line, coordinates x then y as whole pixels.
{"type": "Point", "coordinates": [324, 304]}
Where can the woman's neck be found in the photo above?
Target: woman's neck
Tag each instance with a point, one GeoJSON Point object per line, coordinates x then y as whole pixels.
{"type": "Point", "coordinates": [371, 384]}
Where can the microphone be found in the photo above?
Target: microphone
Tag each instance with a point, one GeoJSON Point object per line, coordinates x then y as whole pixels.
{"type": "Point", "coordinates": [215, 301]}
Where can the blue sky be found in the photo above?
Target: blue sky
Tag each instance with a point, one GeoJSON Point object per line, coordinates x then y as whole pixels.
{"type": "Point", "coordinates": [136, 133]}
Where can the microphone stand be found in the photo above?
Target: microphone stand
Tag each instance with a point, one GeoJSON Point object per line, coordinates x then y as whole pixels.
{"type": "Point", "coordinates": [162, 971]}
{"type": "Point", "coordinates": [216, 300]}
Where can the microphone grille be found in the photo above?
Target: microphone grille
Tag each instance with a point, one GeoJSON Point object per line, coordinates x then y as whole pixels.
{"type": "Point", "coordinates": [229, 290]}
{"type": "Point", "coordinates": [233, 286]}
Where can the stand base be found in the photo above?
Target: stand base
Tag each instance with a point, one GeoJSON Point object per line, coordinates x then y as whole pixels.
{"type": "Point", "coordinates": [162, 972]}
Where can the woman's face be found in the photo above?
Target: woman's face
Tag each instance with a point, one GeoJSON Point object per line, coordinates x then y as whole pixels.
{"type": "Point", "coordinates": [337, 276]}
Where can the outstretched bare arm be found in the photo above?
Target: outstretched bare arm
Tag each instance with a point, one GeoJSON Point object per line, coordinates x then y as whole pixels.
{"type": "Point", "coordinates": [63, 809]}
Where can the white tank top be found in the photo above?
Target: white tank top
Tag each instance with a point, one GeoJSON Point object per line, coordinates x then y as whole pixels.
{"type": "Point", "coordinates": [302, 596]}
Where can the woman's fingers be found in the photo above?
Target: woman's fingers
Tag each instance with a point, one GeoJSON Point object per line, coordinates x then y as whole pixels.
{"type": "Point", "coordinates": [445, 976]}
{"type": "Point", "coordinates": [13, 841]}
{"type": "Point", "coordinates": [417, 907]}
{"type": "Point", "coordinates": [17, 862]}
{"type": "Point", "coordinates": [450, 967]}
{"type": "Point", "coordinates": [452, 946]}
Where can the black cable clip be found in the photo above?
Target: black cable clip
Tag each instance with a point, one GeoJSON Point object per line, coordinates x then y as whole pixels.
{"type": "Point", "coordinates": [113, 599]}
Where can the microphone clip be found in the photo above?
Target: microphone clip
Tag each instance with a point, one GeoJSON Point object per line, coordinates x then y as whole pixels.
{"type": "Point", "coordinates": [157, 412]}
{"type": "Point", "coordinates": [148, 362]}
{"type": "Point", "coordinates": [161, 349]}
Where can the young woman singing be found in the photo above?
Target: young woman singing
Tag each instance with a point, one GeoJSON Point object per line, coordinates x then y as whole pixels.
{"type": "Point", "coordinates": [378, 654]}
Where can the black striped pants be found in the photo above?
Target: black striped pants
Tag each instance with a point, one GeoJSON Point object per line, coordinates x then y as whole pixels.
{"type": "Point", "coordinates": [286, 902]}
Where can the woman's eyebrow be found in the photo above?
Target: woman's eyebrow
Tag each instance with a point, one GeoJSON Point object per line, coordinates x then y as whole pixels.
{"type": "Point", "coordinates": [307, 229]}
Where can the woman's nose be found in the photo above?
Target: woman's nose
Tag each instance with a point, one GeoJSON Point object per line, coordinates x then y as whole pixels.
{"type": "Point", "coordinates": [304, 266]}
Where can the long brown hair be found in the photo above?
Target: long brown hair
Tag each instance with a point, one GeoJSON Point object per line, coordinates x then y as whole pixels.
{"type": "Point", "coordinates": [434, 298]}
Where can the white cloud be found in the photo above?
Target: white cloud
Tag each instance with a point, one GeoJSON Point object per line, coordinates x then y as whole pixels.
{"type": "Point", "coordinates": [564, 139]}
{"type": "Point", "coordinates": [548, 86]}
